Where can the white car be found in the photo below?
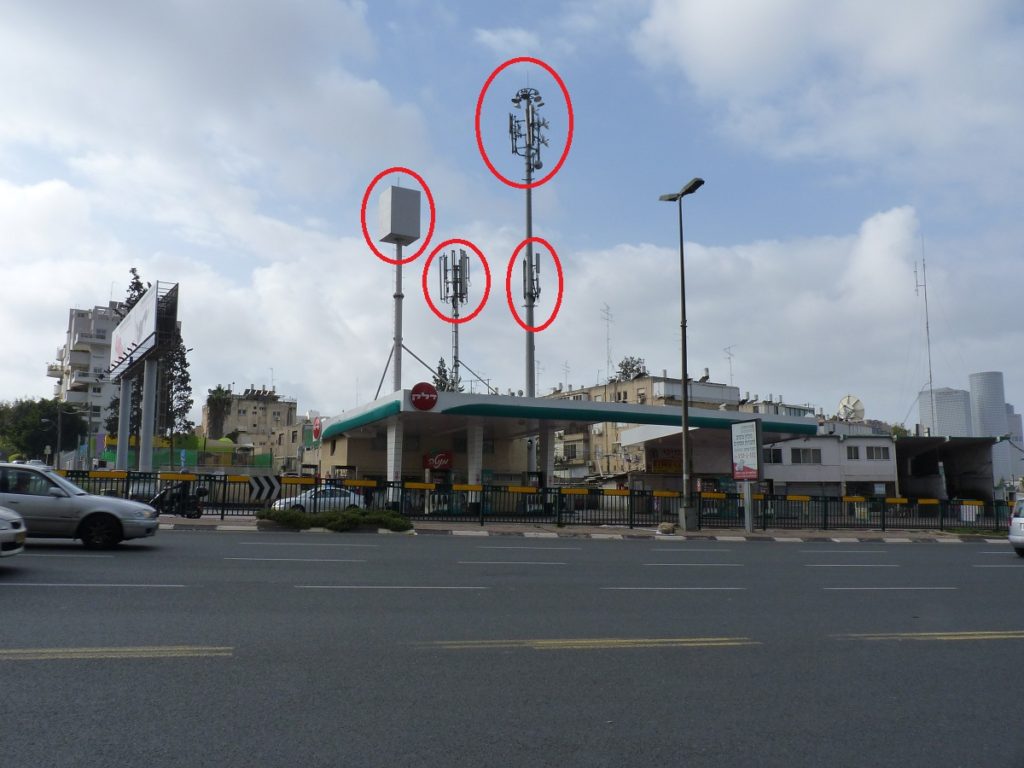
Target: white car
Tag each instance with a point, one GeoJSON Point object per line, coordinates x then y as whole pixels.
{"type": "Point", "coordinates": [1017, 527]}
{"type": "Point", "coordinates": [54, 507]}
{"type": "Point", "coordinates": [326, 499]}
{"type": "Point", "coordinates": [12, 533]}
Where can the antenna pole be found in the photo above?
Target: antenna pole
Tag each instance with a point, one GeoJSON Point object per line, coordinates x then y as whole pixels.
{"type": "Point", "coordinates": [729, 356]}
{"type": "Point", "coordinates": [928, 335]}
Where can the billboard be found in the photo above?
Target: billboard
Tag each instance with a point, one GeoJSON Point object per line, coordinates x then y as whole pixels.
{"type": "Point", "coordinates": [746, 450]}
{"type": "Point", "coordinates": [149, 324]}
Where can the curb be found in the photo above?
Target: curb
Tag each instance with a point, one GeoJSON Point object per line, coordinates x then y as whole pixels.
{"type": "Point", "coordinates": [630, 535]}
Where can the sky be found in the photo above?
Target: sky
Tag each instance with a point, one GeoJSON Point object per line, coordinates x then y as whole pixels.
{"type": "Point", "coordinates": [227, 146]}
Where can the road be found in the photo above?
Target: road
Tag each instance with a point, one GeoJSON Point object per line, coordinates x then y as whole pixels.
{"type": "Point", "coordinates": [257, 649]}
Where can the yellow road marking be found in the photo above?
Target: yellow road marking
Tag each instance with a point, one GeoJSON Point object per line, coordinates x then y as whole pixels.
{"type": "Point", "coordinates": [145, 652]}
{"type": "Point", "coordinates": [602, 643]}
{"type": "Point", "coordinates": [947, 636]}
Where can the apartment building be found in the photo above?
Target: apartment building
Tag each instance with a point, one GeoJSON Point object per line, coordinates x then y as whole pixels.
{"type": "Point", "coordinates": [81, 368]}
{"type": "Point", "coordinates": [600, 451]}
{"type": "Point", "coordinates": [255, 416]}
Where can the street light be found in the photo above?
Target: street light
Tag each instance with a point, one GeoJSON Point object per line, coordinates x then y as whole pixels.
{"type": "Point", "coordinates": [687, 517]}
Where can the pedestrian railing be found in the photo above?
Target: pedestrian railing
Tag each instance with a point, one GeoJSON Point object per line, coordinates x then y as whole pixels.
{"type": "Point", "coordinates": [234, 495]}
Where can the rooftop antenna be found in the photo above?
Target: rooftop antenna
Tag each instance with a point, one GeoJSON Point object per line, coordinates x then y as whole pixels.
{"type": "Point", "coordinates": [455, 290]}
{"type": "Point", "coordinates": [606, 315]}
{"type": "Point", "coordinates": [927, 333]}
{"type": "Point", "coordinates": [527, 136]}
{"type": "Point", "coordinates": [729, 356]}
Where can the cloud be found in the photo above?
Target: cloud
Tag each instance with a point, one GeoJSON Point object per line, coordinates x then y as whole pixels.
{"type": "Point", "coordinates": [508, 41]}
{"type": "Point", "coordinates": [913, 88]}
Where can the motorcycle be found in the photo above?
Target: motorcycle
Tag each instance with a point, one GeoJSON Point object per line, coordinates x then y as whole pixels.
{"type": "Point", "coordinates": [177, 499]}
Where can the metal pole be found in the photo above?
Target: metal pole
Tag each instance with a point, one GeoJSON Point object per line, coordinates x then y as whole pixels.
{"type": "Point", "coordinates": [530, 298]}
{"type": "Point", "coordinates": [397, 368]}
{"type": "Point", "coordinates": [685, 509]}
{"type": "Point", "coordinates": [57, 458]}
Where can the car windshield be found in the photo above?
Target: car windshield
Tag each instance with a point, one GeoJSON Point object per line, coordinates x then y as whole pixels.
{"type": "Point", "coordinates": [64, 483]}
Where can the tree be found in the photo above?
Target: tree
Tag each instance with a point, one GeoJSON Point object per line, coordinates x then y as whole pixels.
{"type": "Point", "coordinates": [445, 380]}
{"type": "Point", "coordinates": [218, 402]}
{"type": "Point", "coordinates": [28, 426]}
{"type": "Point", "coordinates": [630, 368]}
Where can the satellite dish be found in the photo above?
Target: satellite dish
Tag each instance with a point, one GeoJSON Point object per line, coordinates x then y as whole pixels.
{"type": "Point", "coordinates": [850, 409]}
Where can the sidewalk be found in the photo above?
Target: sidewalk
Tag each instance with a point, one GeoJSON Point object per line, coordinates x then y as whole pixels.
{"type": "Point", "coordinates": [551, 531]}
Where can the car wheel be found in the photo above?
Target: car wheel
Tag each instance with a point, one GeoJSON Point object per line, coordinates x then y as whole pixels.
{"type": "Point", "coordinates": [100, 532]}
{"type": "Point", "coordinates": [1019, 551]}
{"type": "Point", "coordinates": [350, 507]}
{"type": "Point", "coordinates": [298, 508]}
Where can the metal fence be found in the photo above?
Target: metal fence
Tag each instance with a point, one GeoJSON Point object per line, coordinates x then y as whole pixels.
{"type": "Point", "coordinates": [234, 495]}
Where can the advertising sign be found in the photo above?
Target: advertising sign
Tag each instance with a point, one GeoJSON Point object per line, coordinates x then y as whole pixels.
{"type": "Point", "coordinates": [135, 335]}
{"type": "Point", "coordinates": [746, 450]}
{"type": "Point", "coordinates": [439, 460]}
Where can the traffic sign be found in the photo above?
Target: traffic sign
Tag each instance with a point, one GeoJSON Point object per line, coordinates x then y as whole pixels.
{"type": "Point", "coordinates": [264, 487]}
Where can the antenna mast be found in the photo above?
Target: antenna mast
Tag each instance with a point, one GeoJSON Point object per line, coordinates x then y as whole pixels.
{"type": "Point", "coordinates": [729, 356]}
{"type": "Point", "coordinates": [454, 276]}
{"type": "Point", "coordinates": [526, 134]}
{"type": "Point", "coordinates": [606, 315]}
{"type": "Point", "coordinates": [927, 333]}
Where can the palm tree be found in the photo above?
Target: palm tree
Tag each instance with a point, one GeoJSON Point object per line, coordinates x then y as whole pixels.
{"type": "Point", "coordinates": [218, 402]}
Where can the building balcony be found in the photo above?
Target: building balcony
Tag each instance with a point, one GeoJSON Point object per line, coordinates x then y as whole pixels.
{"type": "Point", "coordinates": [54, 370]}
{"type": "Point", "coordinates": [87, 339]}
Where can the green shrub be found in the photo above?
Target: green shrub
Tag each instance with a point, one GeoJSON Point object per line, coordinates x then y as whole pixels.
{"type": "Point", "coordinates": [348, 520]}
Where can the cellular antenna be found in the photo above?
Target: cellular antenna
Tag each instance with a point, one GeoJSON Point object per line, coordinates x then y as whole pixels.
{"type": "Point", "coordinates": [454, 274]}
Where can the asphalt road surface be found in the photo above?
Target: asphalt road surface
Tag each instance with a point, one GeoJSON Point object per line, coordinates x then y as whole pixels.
{"type": "Point", "coordinates": [257, 649]}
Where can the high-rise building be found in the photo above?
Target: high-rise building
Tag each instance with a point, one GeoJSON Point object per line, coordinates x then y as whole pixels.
{"type": "Point", "coordinates": [988, 413]}
{"type": "Point", "coordinates": [1017, 439]}
{"type": "Point", "coordinates": [952, 412]}
{"type": "Point", "coordinates": [81, 369]}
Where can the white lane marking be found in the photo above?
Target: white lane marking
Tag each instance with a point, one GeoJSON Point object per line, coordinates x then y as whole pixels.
{"type": "Point", "coordinates": [302, 544]}
{"type": "Point", "coordinates": [91, 586]}
{"type": "Point", "coordinates": [997, 541]}
{"type": "Point", "coordinates": [675, 589]}
{"type": "Point", "coordinates": [292, 560]}
{"type": "Point", "coordinates": [687, 549]}
{"type": "Point", "coordinates": [885, 589]}
{"type": "Point", "coordinates": [1007, 565]}
{"type": "Point", "coordinates": [844, 551]}
{"type": "Point", "coordinates": [701, 565]}
{"type": "Point", "coordinates": [364, 586]}
{"type": "Point", "coordinates": [1002, 552]}
{"type": "Point", "coordinates": [506, 562]}
{"type": "Point", "coordinates": [83, 557]}
{"type": "Point", "coordinates": [471, 533]}
{"type": "Point", "coordinates": [539, 549]}
{"type": "Point", "coordinates": [851, 565]}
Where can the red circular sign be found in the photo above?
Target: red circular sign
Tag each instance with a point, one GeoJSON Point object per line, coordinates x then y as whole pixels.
{"type": "Point", "coordinates": [317, 428]}
{"type": "Point", "coordinates": [424, 396]}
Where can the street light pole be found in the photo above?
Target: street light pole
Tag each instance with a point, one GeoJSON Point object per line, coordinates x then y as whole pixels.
{"type": "Point", "coordinates": [687, 515]}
